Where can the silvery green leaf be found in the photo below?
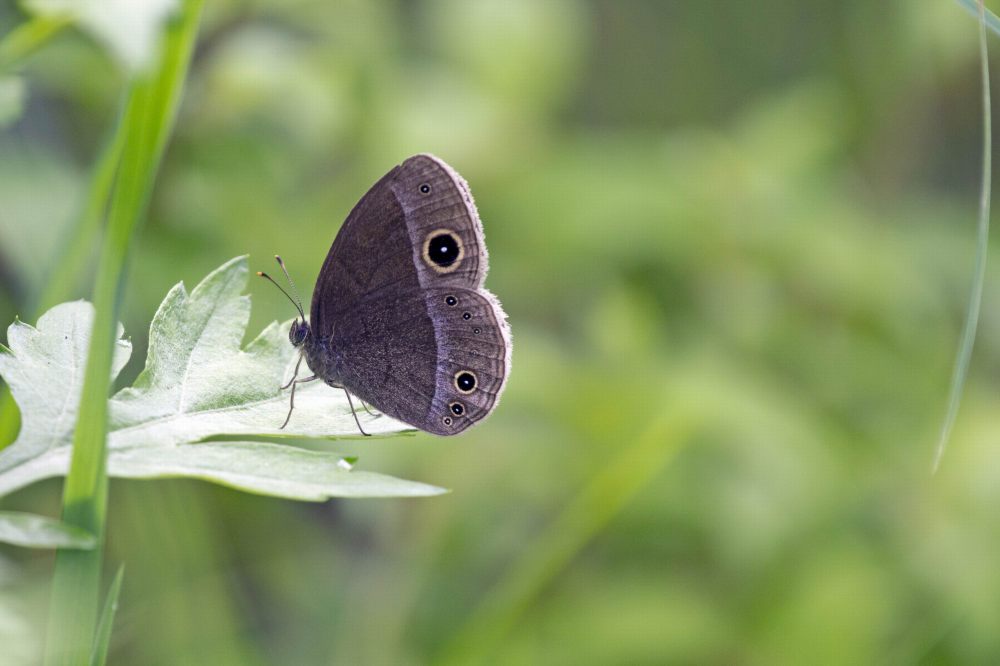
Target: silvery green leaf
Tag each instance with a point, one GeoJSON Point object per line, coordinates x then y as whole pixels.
{"type": "Point", "coordinates": [198, 384]}
{"type": "Point", "coordinates": [265, 469]}
{"type": "Point", "coordinates": [130, 29]}
{"type": "Point", "coordinates": [44, 368]}
{"type": "Point", "coordinates": [31, 531]}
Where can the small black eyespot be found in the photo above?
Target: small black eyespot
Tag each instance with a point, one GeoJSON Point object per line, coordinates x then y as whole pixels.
{"type": "Point", "coordinates": [450, 300]}
{"type": "Point", "coordinates": [443, 249]}
{"type": "Point", "coordinates": [466, 316]}
{"type": "Point", "coordinates": [477, 330]}
{"type": "Point", "coordinates": [465, 381]}
{"type": "Point", "coordinates": [447, 420]}
{"type": "Point", "coordinates": [457, 408]}
{"type": "Point", "coordinates": [425, 188]}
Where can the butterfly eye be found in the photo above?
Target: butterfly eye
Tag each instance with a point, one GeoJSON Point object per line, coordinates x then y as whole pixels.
{"type": "Point", "coordinates": [297, 333]}
{"type": "Point", "coordinates": [450, 300]}
{"type": "Point", "coordinates": [447, 420]}
{"type": "Point", "coordinates": [466, 316]}
{"type": "Point", "coordinates": [425, 188]}
{"type": "Point", "coordinates": [457, 408]}
{"type": "Point", "coordinates": [465, 381]}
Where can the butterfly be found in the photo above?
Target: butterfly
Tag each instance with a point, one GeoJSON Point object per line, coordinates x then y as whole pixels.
{"type": "Point", "coordinates": [399, 317]}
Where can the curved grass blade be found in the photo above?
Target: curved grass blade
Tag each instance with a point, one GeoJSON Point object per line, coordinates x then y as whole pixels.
{"type": "Point", "coordinates": [99, 655]}
{"type": "Point", "coordinates": [968, 339]}
{"type": "Point", "coordinates": [985, 16]}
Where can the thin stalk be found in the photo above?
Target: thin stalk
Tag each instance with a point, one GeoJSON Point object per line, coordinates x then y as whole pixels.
{"type": "Point", "coordinates": [985, 16]}
{"type": "Point", "coordinates": [148, 116]}
{"type": "Point", "coordinates": [968, 339]}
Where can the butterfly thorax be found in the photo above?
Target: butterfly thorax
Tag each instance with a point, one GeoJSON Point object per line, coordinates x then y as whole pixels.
{"type": "Point", "coordinates": [320, 360]}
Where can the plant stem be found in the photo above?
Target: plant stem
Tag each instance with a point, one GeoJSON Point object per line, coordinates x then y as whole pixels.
{"type": "Point", "coordinates": [148, 116]}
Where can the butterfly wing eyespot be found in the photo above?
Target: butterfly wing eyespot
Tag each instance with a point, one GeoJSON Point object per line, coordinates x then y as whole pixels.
{"type": "Point", "coordinates": [466, 316]}
{"type": "Point", "coordinates": [465, 381]}
{"type": "Point", "coordinates": [456, 408]}
{"type": "Point", "coordinates": [443, 250]}
{"type": "Point", "coordinates": [425, 188]}
{"type": "Point", "coordinates": [450, 300]}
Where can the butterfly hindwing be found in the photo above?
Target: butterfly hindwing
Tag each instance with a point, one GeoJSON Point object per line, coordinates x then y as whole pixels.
{"type": "Point", "coordinates": [443, 372]}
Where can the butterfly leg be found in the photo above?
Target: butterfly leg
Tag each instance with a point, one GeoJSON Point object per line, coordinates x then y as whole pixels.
{"type": "Point", "coordinates": [365, 405]}
{"type": "Point", "coordinates": [291, 401]}
{"type": "Point", "coordinates": [294, 374]}
{"type": "Point", "coordinates": [355, 414]}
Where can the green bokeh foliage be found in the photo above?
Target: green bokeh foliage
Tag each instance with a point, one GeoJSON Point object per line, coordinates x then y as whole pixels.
{"type": "Point", "coordinates": [751, 222]}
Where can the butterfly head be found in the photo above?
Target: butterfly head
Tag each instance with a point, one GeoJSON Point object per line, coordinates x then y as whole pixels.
{"type": "Point", "coordinates": [298, 333]}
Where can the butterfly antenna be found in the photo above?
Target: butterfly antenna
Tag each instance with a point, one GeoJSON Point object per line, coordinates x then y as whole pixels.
{"type": "Point", "coordinates": [291, 283]}
{"type": "Point", "coordinates": [270, 279]}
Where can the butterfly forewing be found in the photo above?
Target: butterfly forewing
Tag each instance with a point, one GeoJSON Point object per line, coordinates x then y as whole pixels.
{"type": "Point", "coordinates": [399, 315]}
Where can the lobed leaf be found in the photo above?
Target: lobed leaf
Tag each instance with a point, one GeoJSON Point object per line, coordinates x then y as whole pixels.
{"type": "Point", "coordinates": [198, 384]}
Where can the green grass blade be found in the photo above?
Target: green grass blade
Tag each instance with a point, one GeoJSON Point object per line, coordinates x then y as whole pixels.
{"type": "Point", "coordinates": [968, 339]}
{"type": "Point", "coordinates": [99, 656]}
{"type": "Point", "coordinates": [148, 116]}
{"type": "Point", "coordinates": [588, 513]}
{"type": "Point", "coordinates": [78, 247]}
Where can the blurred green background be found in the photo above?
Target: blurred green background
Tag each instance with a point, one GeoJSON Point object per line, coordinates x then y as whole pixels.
{"type": "Point", "coordinates": [734, 240]}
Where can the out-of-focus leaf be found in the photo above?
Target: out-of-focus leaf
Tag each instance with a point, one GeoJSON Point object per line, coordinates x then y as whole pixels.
{"type": "Point", "coordinates": [129, 29]}
{"type": "Point", "coordinates": [197, 384]}
{"type": "Point", "coordinates": [31, 531]}
{"type": "Point", "coordinates": [11, 99]}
